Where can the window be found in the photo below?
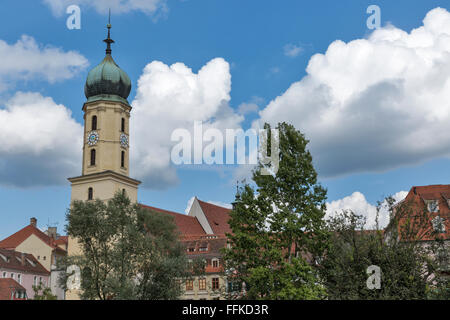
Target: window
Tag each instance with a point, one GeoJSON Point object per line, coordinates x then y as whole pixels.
{"type": "Point", "coordinates": [90, 194]}
{"type": "Point", "coordinates": [215, 263]}
{"type": "Point", "coordinates": [122, 159]}
{"type": "Point", "coordinates": [4, 274]}
{"type": "Point", "coordinates": [190, 249]}
{"type": "Point", "coordinates": [189, 285]}
{"type": "Point", "coordinates": [203, 249]}
{"type": "Point", "coordinates": [93, 157]}
{"type": "Point", "coordinates": [215, 283]}
{"type": "Point", "coordinates": [35, 281]}
{"type": "Point", "coordinates": [19, 279]}
{"type": "Point", "coordinates": [201, 284]}
{"type": "Point", "coordinates": [122, 127]}
{"type": "Point", "coordinates": [40, 280]}
{"type": "Point", "coordinates": [43, 258]}
{"type": "Point", "coordinates": [432, 205]}
{"type": "Point", "coordinates": [94, 123]}
{"type": "Point", "coordinates": [12, 275]}
{"type": "Point", "coordinates": [438, 224]}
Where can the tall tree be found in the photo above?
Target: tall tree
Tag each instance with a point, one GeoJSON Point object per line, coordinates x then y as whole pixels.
{"type": "Point", "coordinates": [277, 224]}
{"type": "Point", "coordinates": [128, 252]}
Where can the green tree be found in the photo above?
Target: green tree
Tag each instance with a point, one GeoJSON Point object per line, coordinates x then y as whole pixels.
{"type": "Point", "coordinates": [128, 252]}
{"type": "Point", "coordinates": [409, 268]}
{"type": "Point", "coordinates": [277, 222]}
{"type": "Point", "coordinates": [43, 293]}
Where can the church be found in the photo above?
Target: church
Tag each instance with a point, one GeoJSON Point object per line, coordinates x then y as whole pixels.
{"type": "Point", "coordinates": [105, 170]}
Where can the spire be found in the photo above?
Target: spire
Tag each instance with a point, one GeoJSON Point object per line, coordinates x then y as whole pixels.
{"type": "Point", "coordinates": [109, 40]}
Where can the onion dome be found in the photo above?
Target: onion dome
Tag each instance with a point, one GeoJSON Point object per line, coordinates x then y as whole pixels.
{"type": "Point", "coordinates": [107, 81]}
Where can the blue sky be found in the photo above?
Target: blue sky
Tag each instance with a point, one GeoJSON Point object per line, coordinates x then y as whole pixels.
{"type": "Point", "coordinates": [252, 38]}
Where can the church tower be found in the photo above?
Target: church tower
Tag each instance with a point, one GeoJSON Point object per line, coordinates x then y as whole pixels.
{"type": "Point", "coordinates": [105, 167]}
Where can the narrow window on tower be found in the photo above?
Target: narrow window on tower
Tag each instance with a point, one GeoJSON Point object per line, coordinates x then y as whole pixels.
{"type": "Point", "coordinates": [122, 159]}
{"type": "Point", "coordinates": [93, 157]}
{"type": "Point", "coordinates": [122, 128]}
{"type": "Point", "coordinates": [90, 194]}
{"type": "Point", "coordinates": [94, 123]}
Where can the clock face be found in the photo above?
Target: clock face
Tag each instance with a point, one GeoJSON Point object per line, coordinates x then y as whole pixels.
{"type": "Point", "coordinates": [92, 138]}
{"type": "Point", "coordinates": [124, 140]}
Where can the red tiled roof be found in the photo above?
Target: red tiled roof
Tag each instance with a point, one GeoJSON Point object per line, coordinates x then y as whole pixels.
{"type": "Point", "coordinates": [14, 262]}
{"type": "Point", "coordinates": [62, 240]}
{"type": "Point", "coordinates": [417, 197]}
{"type": "Point", "coordinates": [217, 217]}
{"type": "Point", "coordinates": [20, 236]}
{"type": "Point", "coordinates": [6, 288]}
{"type": "Point", "coordinates": [187, 225]}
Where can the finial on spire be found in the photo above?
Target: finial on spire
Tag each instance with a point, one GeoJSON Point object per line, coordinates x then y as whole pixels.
{"type": "Point", "coordinates": [109, 40]}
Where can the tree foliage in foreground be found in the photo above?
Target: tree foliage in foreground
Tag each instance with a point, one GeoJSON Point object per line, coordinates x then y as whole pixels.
{"type": "Point", "coordinates": [128, 252]}
{"type": "Point", "coordinates": [275, 221]}
{"type": "Point", "coordinates": [411, 268]}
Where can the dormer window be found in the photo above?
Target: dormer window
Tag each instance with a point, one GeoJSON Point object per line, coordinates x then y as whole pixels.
{"type": "Point", "coordinates": [432, 205]}
{"type": "Point", "coordinates": [215, 263]}
{"type": "Point", "coordinates": [438, 224]}
{"type": "Point", "coordinates": [203, 249]}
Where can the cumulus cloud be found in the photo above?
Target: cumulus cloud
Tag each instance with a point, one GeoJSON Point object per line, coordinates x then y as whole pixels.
{"type": "Point", "coordinates": [149, 7]}
{"type": "Point", "coordinates": [41, 142]}
{"type": "Point", "coordinates": [172, 97]}
{"type": "Point", "coordinates": [292, 50]}
{"type": "Point", "coordinates": [377, 103]}
{"type": "Point", "coordinates": [358, 204]}
{"type": "Point", "coordinates": [26, 59]}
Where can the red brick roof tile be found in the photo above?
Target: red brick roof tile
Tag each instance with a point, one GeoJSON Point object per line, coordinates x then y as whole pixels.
{"type": "Point", "coordinates": [14, 262]}
{"type": "Point", "coordinates": [217, 217]}
{"type": "Point", "coordinates": [187, 225]}
{"type": "Point", "coordinates": [417, 197]}
{"type": "Point", "coordinates": [7, 288]}
{"type": "Point", "coordinates": [20, 236]}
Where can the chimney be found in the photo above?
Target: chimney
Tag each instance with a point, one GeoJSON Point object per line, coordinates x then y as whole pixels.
{"type": "Point", "coordinates": [22, 258]}
{"type": "Point", "coordinates": [33, 222]}
{"type": "Point", "coordinates": [51, 232]}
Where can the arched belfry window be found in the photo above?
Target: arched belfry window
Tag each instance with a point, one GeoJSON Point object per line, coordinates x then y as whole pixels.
{"type": "Point", "coordinates": [90, 194]}
{"type": "Point", "coordinates": [93, 157]}
{"type": "Point", "coordinates": [94, 123]}
{"type": "Point", "coordinates": [122, 127]}
{"type": "Point", "coordinates": [122, 159]}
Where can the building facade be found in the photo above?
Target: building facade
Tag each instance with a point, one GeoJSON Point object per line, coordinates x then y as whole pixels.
{"type": "Point", "coordinates": [46, 247]}
{"type": "Point", "coordinates": [24, 269]}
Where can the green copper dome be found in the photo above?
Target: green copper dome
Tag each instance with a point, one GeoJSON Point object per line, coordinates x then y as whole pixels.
{"type": "Point", "coordinates": [107, 81]}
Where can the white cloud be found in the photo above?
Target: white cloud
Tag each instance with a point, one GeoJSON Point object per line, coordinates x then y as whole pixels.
{"type": "Point", "coordinates": [171, 97]}
{"type": "Point", "coordinates": [245, 108]}
{"type": "Point", "coordinates": [41, 142]}
{"type": "Point", "coordinates": [149, 7]}
{"type": "Point", "coordinates": [377, 103]}
{"type": "Point", "coordinates": [358, 204]}
{"type": "Point", "coordinates": [26, 60]}
{"type": "Point", "coordinates": [292, 50]}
